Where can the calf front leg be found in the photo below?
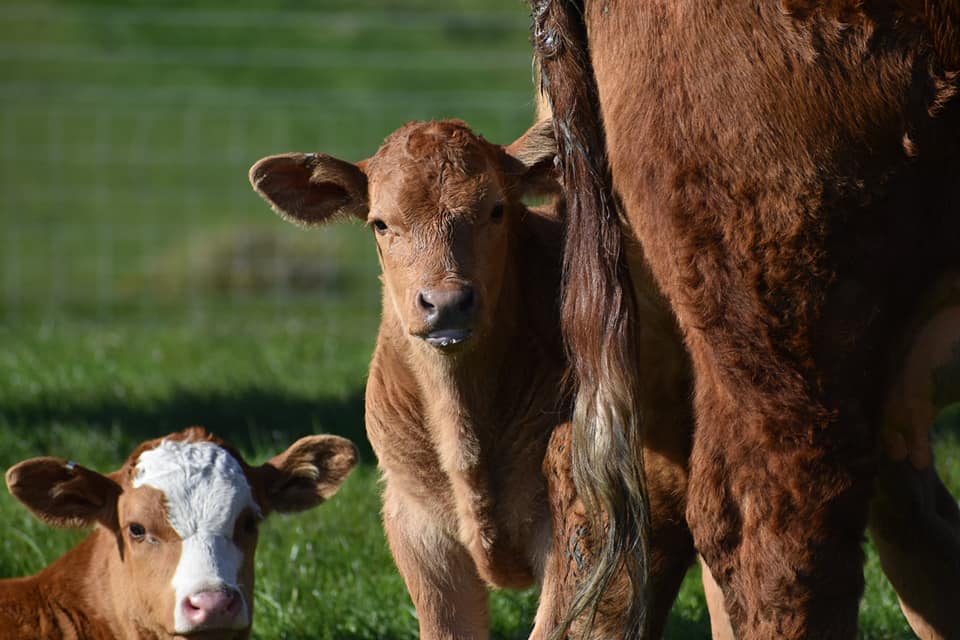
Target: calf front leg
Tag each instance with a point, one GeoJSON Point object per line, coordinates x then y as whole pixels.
{"type": "Point", "coordinates": [569, 555]}
{"type": "Point", "coordinates": [671, 545]}
{"type": "Point", "coordinates": [450, 598]}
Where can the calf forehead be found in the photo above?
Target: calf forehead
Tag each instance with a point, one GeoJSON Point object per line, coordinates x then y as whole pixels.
{"type": "Point", "coordinates": [422, 196]}
{"type": "Point", "coordinates": [437, 166]}
{"type": "Point", "coordinates": [204, 486]}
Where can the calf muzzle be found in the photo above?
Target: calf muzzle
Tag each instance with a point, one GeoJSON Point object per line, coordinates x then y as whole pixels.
{"type": "Point", "coordinates": [214, 609]}
{"type": "Point", "coordinates": [449, 311]}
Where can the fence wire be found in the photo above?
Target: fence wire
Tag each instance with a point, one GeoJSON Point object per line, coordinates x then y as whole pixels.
{"type": "Point", "coordinates": [126, 134]}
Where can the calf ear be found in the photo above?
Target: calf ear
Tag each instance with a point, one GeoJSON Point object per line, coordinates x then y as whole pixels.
{"type": "Point", "coordinates": [306, 474]}
{"type": "Point", "coordinates": [64, 494]}
{"type": "Point", "coordinates": [530, 160]}
{"type": "Point", "coordinates": [310, 188]}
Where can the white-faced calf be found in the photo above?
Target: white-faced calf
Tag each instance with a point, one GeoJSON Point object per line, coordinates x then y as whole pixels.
{"type": "Point", "coordinates": [172, 553]}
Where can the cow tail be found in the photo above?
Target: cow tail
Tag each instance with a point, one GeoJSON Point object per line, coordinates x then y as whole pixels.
{"type": "Point", "coordinates": [598, 323]}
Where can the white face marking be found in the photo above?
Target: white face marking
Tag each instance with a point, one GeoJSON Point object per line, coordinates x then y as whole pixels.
{"type": "Point", "coordinates": [206, 491]}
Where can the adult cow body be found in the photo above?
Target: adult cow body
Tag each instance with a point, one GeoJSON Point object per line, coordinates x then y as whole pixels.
{"type": "Point", "coordinates": [789, 169]}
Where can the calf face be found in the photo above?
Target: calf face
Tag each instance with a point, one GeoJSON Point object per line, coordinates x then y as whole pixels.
{"type": "Point", "coordinates": [185, 511]}
{"type": "Point", "coordinates": [441, 202]}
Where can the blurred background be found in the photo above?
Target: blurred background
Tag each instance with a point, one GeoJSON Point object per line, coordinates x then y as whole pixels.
{"type": "Point", "coordinates": [127, 128]}
{"type": "Point", "coordinates": [144, 286]}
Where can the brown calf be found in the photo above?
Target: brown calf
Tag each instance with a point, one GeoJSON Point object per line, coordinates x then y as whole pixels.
{"type": "Point", "coordinates": [466, 384]}
{"type": "Point", "coordinates": [176, 531]}
{"type": "Point", "coordinates": [789, 169]}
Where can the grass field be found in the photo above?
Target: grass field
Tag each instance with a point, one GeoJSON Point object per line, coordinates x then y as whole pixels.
{"type": "Point", "coordinates": [144, 287]}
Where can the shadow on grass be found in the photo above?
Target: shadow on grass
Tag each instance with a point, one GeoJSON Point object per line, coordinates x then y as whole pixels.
{"type": "Point", "coordinates": [252, 419]}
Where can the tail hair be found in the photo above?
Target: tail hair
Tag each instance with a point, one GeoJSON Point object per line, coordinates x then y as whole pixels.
{"type": "Point", "coordinates": [598, 322]}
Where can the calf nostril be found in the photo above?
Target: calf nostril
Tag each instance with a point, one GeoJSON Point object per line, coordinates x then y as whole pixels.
{"type": "Point", "coordinates": [466, 299]}
{"type": "Point", "coordinates": [211, 607]}
{"type": "Point", "coordinates": [449, 306]}
{"type": "Point", "coordinates": [425, 300]}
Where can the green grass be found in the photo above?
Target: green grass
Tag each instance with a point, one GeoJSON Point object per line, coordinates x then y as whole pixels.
{"type": "Point", "coordinates": [144, 287]}
{"type": "Point", "coordinates": [92, 391]}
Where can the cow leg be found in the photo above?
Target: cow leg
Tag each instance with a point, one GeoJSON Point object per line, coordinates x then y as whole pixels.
{"type": "Point", "coordinates": [720, 628]}
{"type": "Point", "coordinates": [915, 525]}
{"type": "Point", "coordinates": [450, 598]}
{"type": "Point", "coordinates": [671, 544]}
{"type": "Point", "coordinates": [667, 413]}
{"type": "Point", "coordinates": [778, 516]}
{"type": "Point", "coordinates": [914, 521]}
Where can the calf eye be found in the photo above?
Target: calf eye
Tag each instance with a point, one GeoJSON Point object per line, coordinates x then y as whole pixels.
{"type": "Point", "coordinates": [137, 531]}
{"type": "Point", "coordinates": [247, 526]}
{"type": "Point", "coordinates": [497, 212]}
{"type": "Point", "coordinates": [379, 225]}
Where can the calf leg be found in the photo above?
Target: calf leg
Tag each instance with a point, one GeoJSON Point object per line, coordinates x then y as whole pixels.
{"type": "Point", "coordinates": [450, 598]}
{"type": "Point", "coordinates": [569, 556]}
{"type": "Point", "coordinates": [564, 559]}
{"type": "Point", "coordinates": [671, 545]}
{"type": "Point", "coordinates": [915, 525]}
{"type": "Point", "coordinates": [914, 521]}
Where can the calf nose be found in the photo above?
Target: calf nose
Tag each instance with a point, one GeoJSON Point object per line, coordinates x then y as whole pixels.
{"type": "Point", "coordinates": [212, 609]}
{"type": "Point", "coordinates": [448, 305]}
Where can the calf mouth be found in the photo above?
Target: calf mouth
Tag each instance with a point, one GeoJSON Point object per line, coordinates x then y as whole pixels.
{"type": "Point", "coordinates": [448, 339]}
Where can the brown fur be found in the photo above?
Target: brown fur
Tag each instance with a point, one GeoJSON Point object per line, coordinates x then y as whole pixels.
{"type": "Point", "coordinates": [607, 427]}
{"type": "Point", "coordinates": [111, 586]}
{"type": "Point", "coordinates": [789, 169]}
{"type": "Point", "coordinates": [459, 433]}
{"type": "Point", "coordinates": [462, 436]}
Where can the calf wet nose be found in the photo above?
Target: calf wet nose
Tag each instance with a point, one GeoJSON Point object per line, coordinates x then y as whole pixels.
{"type": "Point", "coordinates": [212, 609]}
{"type": "Point", "coordinates": [448, 306]}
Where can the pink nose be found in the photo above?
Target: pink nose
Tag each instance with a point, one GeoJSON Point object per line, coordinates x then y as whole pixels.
{"type": "Point", "coordinates": [212, 609]}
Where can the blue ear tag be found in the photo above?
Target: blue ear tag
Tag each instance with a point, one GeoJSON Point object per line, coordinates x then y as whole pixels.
{"type": "Point", "coordinates": [71, 465]}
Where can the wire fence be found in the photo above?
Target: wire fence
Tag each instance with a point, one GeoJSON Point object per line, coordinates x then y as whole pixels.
{"type": "Point", "coordinates": [126, 133]}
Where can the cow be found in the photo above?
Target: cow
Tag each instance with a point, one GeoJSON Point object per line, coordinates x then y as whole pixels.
{"type": "Point", "coordinates": [466, 406]}
{"type": "Point", "coordinates": [788, 170]}
{"type": "Point", "coordinates": [176, 527]}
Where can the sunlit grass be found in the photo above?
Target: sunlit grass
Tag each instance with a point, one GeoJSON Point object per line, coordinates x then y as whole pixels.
{"type": "Point", "coordinates": [144, 287]}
